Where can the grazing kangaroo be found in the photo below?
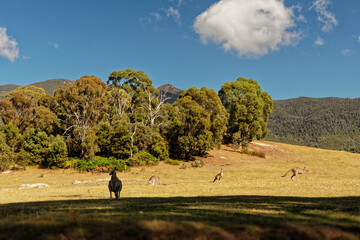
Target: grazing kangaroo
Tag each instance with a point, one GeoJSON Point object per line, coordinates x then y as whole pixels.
{"type": "Point", "coordinates": [219, 176]}
{"type": "Point", "coordinates": [115, 184]}
{"type": "Point", "coordinates": [296, 171]}
{"type": "Point", "coordinates": [153, 179]}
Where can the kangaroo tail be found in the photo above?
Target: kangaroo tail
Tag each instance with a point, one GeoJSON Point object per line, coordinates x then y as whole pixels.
{"type": "Point", "coordinates": [286, 173]}
{"type": "Point", "coordinates": [215, 179]}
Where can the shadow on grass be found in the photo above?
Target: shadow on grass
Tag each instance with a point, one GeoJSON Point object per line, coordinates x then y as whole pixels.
{"type": "Point", "coordinates": [212, 217]}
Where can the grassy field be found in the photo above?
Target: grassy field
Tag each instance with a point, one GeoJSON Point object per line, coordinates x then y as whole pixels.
{"type": "Point", "coordinates": [252, 201]}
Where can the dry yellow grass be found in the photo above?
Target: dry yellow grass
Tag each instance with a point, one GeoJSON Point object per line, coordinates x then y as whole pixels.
{"type": "Point", "coordinates": [252, 201]}
{"type": "Point", "coordinates": [331, 174]}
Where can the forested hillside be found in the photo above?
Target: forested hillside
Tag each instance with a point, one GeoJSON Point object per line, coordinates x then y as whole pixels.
{"type": "Point", "coordinates": [330, 123]}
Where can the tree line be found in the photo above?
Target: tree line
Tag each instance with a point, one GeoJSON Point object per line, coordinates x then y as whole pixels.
{"type": "Point", "coordinates": [126, 121]}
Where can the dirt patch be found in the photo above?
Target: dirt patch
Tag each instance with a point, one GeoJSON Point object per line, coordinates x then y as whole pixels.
{"type": "Point", "coordinates": [260, 144]}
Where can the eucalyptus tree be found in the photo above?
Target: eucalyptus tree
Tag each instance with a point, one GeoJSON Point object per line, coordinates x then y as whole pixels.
{"type": "Point", "coordinates": [12, 136]}
{"type": "Point", "coordinates": [142, 104]}
{"type": "Point", "coordinates": [119, 103]}
{"type": "Point", "coordinates": [82, 106]}
{"type": "Point", "coordinates": [200, 124]}
{"type": "Point", "coordinates": [143, 95]}
{"type": "Point", "coordinates": [25, 108]}
{"type": "Point", "coordinates": [31, 92]}
{"type": "Point", "coordinates": [210, 101]}
{"type": "Point", "coordinates": [248, 109]}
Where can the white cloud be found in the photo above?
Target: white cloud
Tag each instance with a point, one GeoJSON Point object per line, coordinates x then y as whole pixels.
{"type": "Point", "coordinates": [252, 28]}
{"type": "Point", "coordinates": [178, 2]}
{"type": "Point", "coordinates": [324, 16]}
{"type": "Point", "coordinates": [319, 41]}
{"type": "Point", "coordinates": [156, 16]}
{"type": "Point", "coordinates": [297, 9]}
{"type": "Point", "coordinates": [55, 45]}
{"type": "Point", "coordinates": [8, 46]}
{"type": "Point", "coordinates": [301, 18]}
{"type": "Point", "coordinates": [174, 13]}
{"type": "Point", "coordinates": [26, 57]}
{"type": "Point", "coordinates": [346, 52]}
{"type": "Point", "coordinates": [163, 14]}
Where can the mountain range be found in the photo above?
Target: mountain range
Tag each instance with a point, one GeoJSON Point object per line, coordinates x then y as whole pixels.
{"type": "Point", "coordinates": [330, 123]}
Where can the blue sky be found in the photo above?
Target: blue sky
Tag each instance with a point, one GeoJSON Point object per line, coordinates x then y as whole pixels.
{"type": "Point", "coordinates": [292, 48]}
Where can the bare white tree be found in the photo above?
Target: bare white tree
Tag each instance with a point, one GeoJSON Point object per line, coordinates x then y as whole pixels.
{"type": "Point", "coordinates": [153, 105]}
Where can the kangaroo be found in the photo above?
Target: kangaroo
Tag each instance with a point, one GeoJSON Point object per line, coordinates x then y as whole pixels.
{"type": "Point", "coordinates": [219, 176]}
{"type": "Point", "coordinates": [153, 179]}
{"type": "Point", "coordinates": [296, 171]}
{"type": "Point", "coordinates": [115, 184]}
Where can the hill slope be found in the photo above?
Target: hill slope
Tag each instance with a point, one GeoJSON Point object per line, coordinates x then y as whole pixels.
{"type": "Point", "coordinates": [48, 85]}
{"type": "Point", "coordinates": [7, 88]}
{"type": "Point", "coordinates": [330, 123]}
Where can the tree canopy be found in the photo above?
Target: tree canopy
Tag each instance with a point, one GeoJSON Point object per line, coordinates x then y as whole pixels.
{"type": "Point", "coordinates": [126, 119]}
{"type": "Point", "coordinates": [82, 106]}
{"type": "Point", "coordinates": [248, 108]}
{"type": "Point", "coordinates": [201, 124]}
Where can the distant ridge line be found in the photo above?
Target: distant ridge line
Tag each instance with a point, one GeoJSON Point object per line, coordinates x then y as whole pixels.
{"type": "Point", "coordinates": [48, 85]}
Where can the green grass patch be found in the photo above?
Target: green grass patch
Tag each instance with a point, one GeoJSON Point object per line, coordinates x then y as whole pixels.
{"type": "Point", "coordinates": [142, 158]}
{"type": "Point", "coordinates": [101, 164]}
{"type": "Point", "coordinates": [173, 161]}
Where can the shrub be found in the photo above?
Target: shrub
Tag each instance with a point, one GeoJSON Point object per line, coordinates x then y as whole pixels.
{"type": "Point", "coordinates": [103, 139]}
{"type": "Point", "coordinates": [36, 144]}
{"type": "Point", "coordinates": [120, 142]}
{"type": "Point", "coordinates": [183, 166]}
{"type": "Point", "coordinates": [71, 163]}
{"type": "Point", "coordinates": [57, 153]}
{"type": "Point", "coordinates": [159, 147]}
{"type": "Point", "coordinates": [173, 162]}
{"type": "Point", "coordinates": [44, 150]}
{"type": "Point", "coordinates": [100, 164]}
{"type": "Point", "coordinates": [113, 140]}
{"type": "Point", "coordinates": [198, 163]}
{"type": "Point", "coordinates": [22, 158]}
{"type": "Point", "coordinates": [142, 158]}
